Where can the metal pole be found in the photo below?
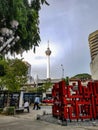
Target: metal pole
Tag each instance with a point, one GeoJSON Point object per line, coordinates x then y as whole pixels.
{"type": "Point", "coordinates": [62, 71]}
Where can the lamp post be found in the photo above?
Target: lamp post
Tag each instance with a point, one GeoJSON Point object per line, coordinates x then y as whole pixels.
{"type": "Point", "coordinates": [62, 71]}
{"type": "Point", "coordinates": [8, 38]}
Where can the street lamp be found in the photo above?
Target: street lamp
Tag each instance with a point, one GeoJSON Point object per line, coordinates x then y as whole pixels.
{"type": "Point", "coordinates": [8, 37]}
{"type": "Point", "coordinates": [62, 71]}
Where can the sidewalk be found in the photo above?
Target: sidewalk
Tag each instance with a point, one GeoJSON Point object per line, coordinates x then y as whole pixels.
{"type": "Point", "coordinates": [33, 113]}
{"type": "Point", "coordinates": [24, 116]}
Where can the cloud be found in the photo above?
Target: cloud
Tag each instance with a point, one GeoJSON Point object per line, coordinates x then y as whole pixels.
{"type": "Point", "coordinates": [39, 57]}
{"type": "Point", "coordinates": [66, 24]}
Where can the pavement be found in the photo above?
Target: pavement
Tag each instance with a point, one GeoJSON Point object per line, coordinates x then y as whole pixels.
{"type": "Point", "coordinates": [32, 115]}
{"type": "Point", "coordinates": [27, 121]}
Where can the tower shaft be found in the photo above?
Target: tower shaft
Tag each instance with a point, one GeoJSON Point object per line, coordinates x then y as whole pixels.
{"type": "Point", "coordinates": [48, 53]}
{"type": "Point", "coordinates": [48, 67]}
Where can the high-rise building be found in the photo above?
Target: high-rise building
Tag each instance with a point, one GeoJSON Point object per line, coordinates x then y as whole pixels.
{"type": "Point", "coordinates": [29, 77]}
{"type": "Point", "coordinates": [93, 45]}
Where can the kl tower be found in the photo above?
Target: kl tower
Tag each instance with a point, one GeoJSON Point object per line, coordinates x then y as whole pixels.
{"type": "Point", "coordinates": [48, 53]}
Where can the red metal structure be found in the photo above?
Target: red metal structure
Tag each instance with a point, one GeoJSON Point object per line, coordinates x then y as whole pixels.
{"type": "Point", "coordinates": [75, 102]}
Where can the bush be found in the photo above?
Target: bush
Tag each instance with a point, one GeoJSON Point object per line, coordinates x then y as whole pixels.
{"type": "Point", "coordinates": [1, 110]}
{"type": "Point", "coordinates": [10, 110]}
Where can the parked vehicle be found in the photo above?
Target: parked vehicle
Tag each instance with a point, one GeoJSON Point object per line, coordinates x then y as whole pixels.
{"type": "Point", "coordinates": [47, 100]}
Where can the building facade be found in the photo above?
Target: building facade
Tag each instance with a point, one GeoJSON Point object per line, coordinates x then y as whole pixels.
{"type": "Point", "coordinates": [29, 77]}
{"type": "Point", "coordinates": [93, 45]}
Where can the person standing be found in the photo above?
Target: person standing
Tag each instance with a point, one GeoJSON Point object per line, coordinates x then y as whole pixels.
{"type": "Point", "coordinates": [26, 106]}
{"type": "Point", "coordinates": [36, 103]}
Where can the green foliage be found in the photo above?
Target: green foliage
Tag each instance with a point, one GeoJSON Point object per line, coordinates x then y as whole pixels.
{"type": "Point", "coordinates": [83, 76]}
{"type": "Point", "coordinates": [2, 71]}
{"type": "Point", "coordinates": [44, 1]}
{"type": "Point", "coordinates": [3, 65]}
{"type": "Point", "coordinates": [1, 110]}
{"type": "Point", "coordinates": [2, 82]}
{"type": "Point", "coordinates": [42, 88]}
{"type": "Point", "coordinates": [10, 110]}
{"type": "Point", "coordinates": [16, 74]}
{"type": "Point", "coordinates": [28, 18]}
{"type": "Point", "coordinates": [67, 80]}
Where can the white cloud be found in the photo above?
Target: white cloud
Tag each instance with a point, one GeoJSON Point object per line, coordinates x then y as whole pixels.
{"type": "Point", "coordinates": [66, 24]}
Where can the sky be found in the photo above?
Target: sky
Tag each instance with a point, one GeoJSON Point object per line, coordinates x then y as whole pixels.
{"type": "Point", "coordinates": [66, 24]}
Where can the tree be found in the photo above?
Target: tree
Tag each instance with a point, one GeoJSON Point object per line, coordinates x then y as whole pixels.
{"type": "Point", "coordinates": [83, 76]}
{"type": "Point", "coordinates": [3, 66]}
{"type": "Point", "coordinates": [15, 74]}
{"type": "Point", "coordinates": [67, 80]}
{"type": "Point", "coordinates": [2, 72]}
{"type": "Point", "coordinates": [44, 87]}
{"type": "Point", "coordinates": [27, 15]}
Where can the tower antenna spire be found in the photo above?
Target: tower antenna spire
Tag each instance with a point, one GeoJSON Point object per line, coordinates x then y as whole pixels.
{"type": "Point", "coordinates": [48, 43]}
